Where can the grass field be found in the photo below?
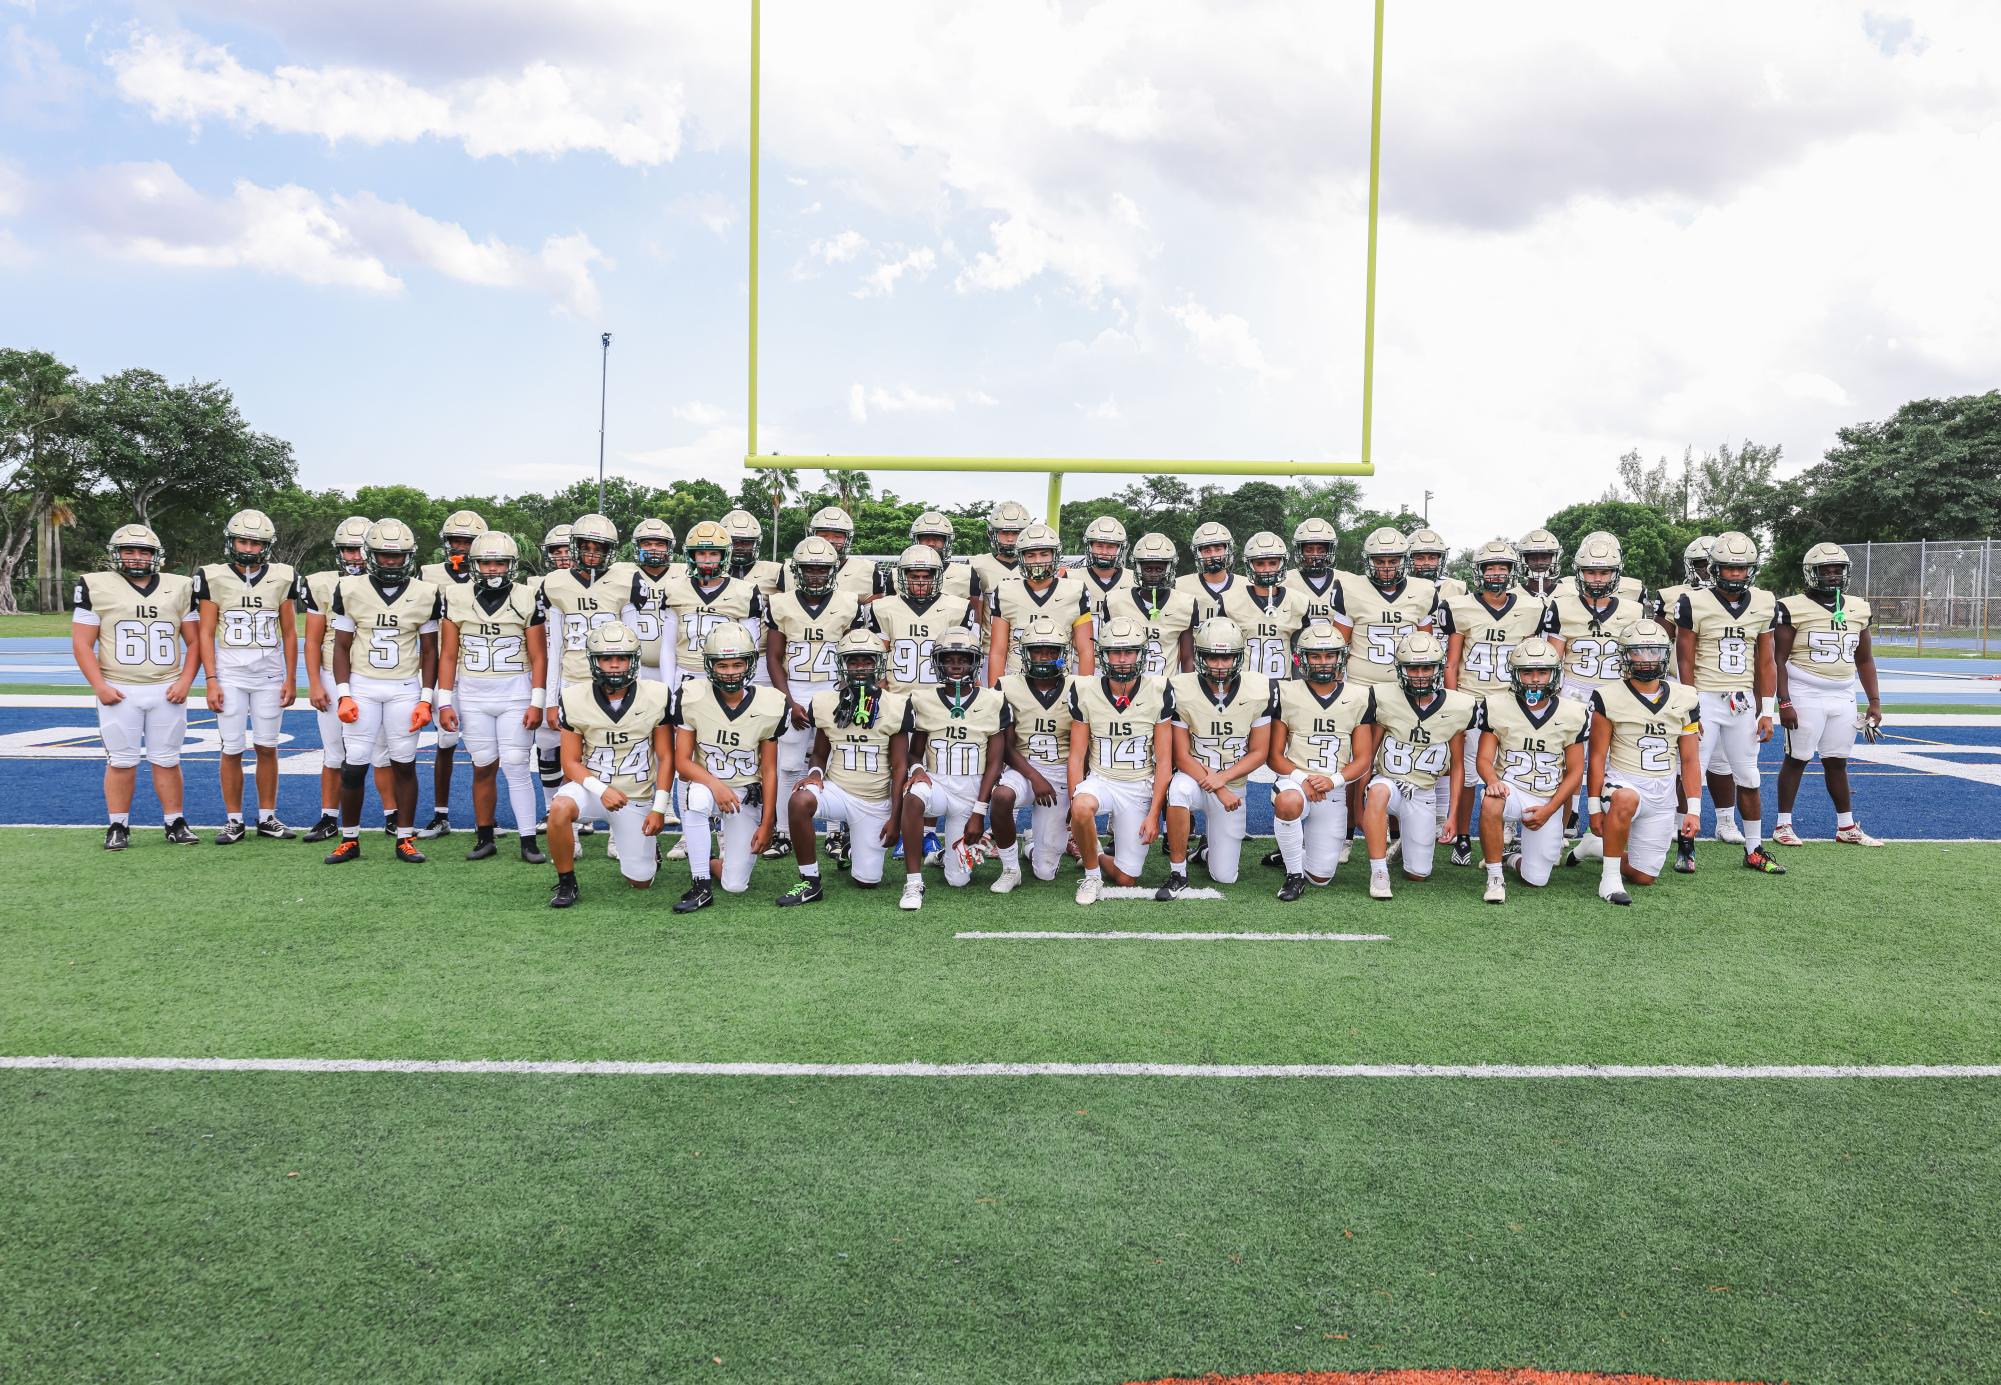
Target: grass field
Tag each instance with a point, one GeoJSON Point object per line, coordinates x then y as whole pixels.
{"type": "Point", "coordinates": [181, 1225]}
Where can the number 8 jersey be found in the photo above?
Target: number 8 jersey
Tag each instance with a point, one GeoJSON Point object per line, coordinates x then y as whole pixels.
{"type": "Point", "coordinates": [1726, 636]}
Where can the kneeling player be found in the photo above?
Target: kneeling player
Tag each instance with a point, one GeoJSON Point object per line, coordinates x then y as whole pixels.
{"type": "Point", "coordinates": [1222, 731]}
{"type": "Point", "coordinates": [1323, 740]}
{"type": "Point", "coordinates": [1422, 736]}
{"type": "Point", "coordinates": [960, 746]}
{"type": "Point", "coordinates": [1531, 760]}
{"type": "Point", "coordinates": [860, 759]}
{"type": "Point", "coordinates": [726, 751]}
{"type": "Point", "coordinates": [1121, 731]}
{"type": "Point", "coordinates": [618, 760]}
{"type": "Point", "coordinates": [1642, 729]}
{"type": "Point", "coordinates": [1038, 750]}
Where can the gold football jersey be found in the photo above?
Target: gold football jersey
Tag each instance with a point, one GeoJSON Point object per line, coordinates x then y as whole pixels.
{"type": "Point", "coordinates": [1589, 635]}
{"type": "Point", "coordinates": [857, 575]}
{"type": "Point", "coordinates": [1529, 745]}
{"type": "Point", "coordinates": [1041, 724]}
{"type": "Point", "coordinates": [572, 608]}
{"type": "Point", "coordinates": [1647, 731]}
{"type": "Point", "coordinates": [139, 629]}
{"type": "Point", "coordinates": [1320, 598]}
{"type": "Point", "coordinates": [247, 641]}
{"type": "Point", "coordinates": [1667, 601]}
{"type": "Point", "coordinates": [1726, 636]}
{"type": "Point", "coordinates": [1488, 637]}
{"type": "Point", "coordinates": [649, 621]}
{"type": "Point", "coordinates": [1165, 624]}
{"type": "Point", "coordinates": [618, 740]}
{"type": "Point", "coordinates": [1098, 593]}
{"type": "Point", "coordinates": [730, 740]}
{"type": "Point", "coordinates": [1220, 732]}
{"type": "Point", "coordinates": [1269, 622]}
{"type": "Point", "coordinates": [319, 601]}
{"type": "Point", "coordinates": [1416, 746]}
{"type": "Point", "coordinates": [858, 756]}
{"type": "Point", "coordinates": [956, 743]}
{"type": "Point", "coordinates": [1380, 620]}
{"type": "Point", "coordinates": [811, 632]}
{"type": "Point", "coordinates": [910, 632]}
{"type": "Point", "coordinates": [1320, 734]}
{"type": "Point", "coordinates": [1205, 596]}
{"type": "Point", "coordinates": [765, 575]}
{"type": "Point", "coordinates": [1121, 737]}
{"type": "Point", "coordinates": [1823, 647]}
{"type": "Point", "coordinates": [387, 643]}
{"type": "Point", "coordinates": [441, 576]}
{"type": "Point", "coordinates": [493, 635]}
{"type": "Point", "coordinates": [1015, 602]}
{"type": "Point", "coordinates": [991, 571]}
{"type": "Point", "coordinates": [698, 611]}
{"type": "Point", "coordinates": [1449, 587]}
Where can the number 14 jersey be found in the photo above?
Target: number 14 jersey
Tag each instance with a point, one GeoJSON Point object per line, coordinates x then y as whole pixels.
{"type": "Point", "coordinates": [1121, 736]}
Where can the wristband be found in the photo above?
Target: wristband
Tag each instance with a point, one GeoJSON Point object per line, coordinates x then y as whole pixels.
{"type": "Point", "coordinates": [981, 809]}
{"type": "Point", "coordinates": [1596, 806]}
{"type": "Point", "coordinates": [444, 698]}
{"type": "Point", "coordinates": [662, 801]}
{"type": "Point", "coordinates": [596, 785]}
{"type": "Point", "coordinates": [341, 690]}
{"type": "Point", "coordinates": [425, 696]}
{"type": "Point", "coordinates": [1769, 707]}
{"type": "Point", "coordinates": [539, 698]}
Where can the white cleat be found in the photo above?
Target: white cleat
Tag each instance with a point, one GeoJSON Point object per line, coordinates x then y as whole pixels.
{"type": "Point", "coordinates": [1497, 893]}
{"type": "Point", "coordinates": [1379, 887]}
{"type": "Point", "coordinates": [679, 851]}
{"type": "Point", "coordinates": [1784, 835]}
{"type": "Point", "coordinates": [610, 847]}
{"type": "Point", "coordinates": [1006, 881]}
{"type": "Point", "coordinates": [1347, 850]}
{"type": "Point", "coordinates": [1855, 836]}
{"type": "Point", "coordinates": [1589, 847]}
{"type": "Point", "coordinates": [1087, 889]}
{"type": "Point", "coordinates": [913, 894]}
{"type": "Point", "coordinates": [1730, 832]}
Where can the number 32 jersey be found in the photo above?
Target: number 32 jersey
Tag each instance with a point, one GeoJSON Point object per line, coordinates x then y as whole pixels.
{"type": "Point", "coordinates": [1647, 731]}
{"type": "Point", "coordinates": [1121, 737]}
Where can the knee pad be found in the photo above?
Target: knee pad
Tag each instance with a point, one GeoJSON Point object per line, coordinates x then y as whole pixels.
{"type": "Point", "coordinates": [353, 777]}
{"type": "Point", "coordinates": [166, 759]}
{"type": "Point", "coordinates": [1749, 781]}
{"type": "Point", "coordinates": [231, 744]}
{"type": "Point", "coordinates": [922, 793]}
{"type": "Point", "coordinates": [333, 760]}
{"type": "Point", "coordinates": [551, 768]}
{"type": "Point", "coordinates": [124, 759]}
{"type": "Point", "coordinates": [700, 800]}
{"type": "Point", "coordinates": [513, 757]}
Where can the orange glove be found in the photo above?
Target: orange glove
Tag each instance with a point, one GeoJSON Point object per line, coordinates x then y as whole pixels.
{"type": "Point", "coordinates": [350, 710]}
{"type": "Point", "coordinates": [420, 718]}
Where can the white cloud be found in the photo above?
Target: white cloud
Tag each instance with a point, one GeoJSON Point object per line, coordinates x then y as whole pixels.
{"type": "Point", "coordinates": [696, 412]}
{"type": "Point", "coordinates": [838, 249]}
{"type": "Point", "coordinates": [981, 398]}
{"type": "Point", "coordinates": [1106, 410]}
{"type": "Point", "coordinates": [863, 400]}
{"type": "Point", "coordinates": [881, 281]}
{"type": "Point", "coordinates": [1224, 339]}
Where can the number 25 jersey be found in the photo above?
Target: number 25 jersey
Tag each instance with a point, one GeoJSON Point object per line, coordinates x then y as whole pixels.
{"type": "Point", "coordinates": [1647, 731]}
{"type": "Point", "coordinates": [1529, 745]}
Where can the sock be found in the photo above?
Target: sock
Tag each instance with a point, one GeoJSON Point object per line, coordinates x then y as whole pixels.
{"type": "Point", "coordinates": [811, 872]}
{"type": "Point", "coordinates": [169, 819]}
{"type": "Point", "coordinates": [1011, 857]}
{"type": "Point", "coordinates": [1291, 844]}
{"type": "Point", "coordinates": [1590, 847]}
{"type": "Point", "coordinates": [1784, 820]}
{"type": "Point", "coordinates": [1609, 880]}
{"type": "Point", "coordinates": [1494, 873]}
{"type": "Point", "coordinates": [349, 834]}
{"type": "Point", "coordinates": [121, 819]}
{"type": "Point", "coordinates": [521, 794]}
{"type": "Point", "coordinates": [1178, 868]}
{"type": "Point", "coordinates": [1379, 868]}
{"type": "Point", "coordinates": [482, 831]}
{"type": "Point", "coordinates": [267, 814]}
{"type": "Point", "coordinates": [403, 832]}
{"type": "Point", "coordinates": [235, 819]}
{"type": "Point", "coordinates": [695, 834]}
{"type": "Point", "coordinates": [1725, 817]}
{"type": "Point", "coordinates": [1094, 873]}
{"type": "Point", "coordinates": [1753, 837]}
{"type": "Point", "coordinates": [1844, 819]}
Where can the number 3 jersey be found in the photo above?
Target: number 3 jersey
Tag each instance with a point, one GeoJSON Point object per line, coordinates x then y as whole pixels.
{"type": "Point", "coordinates": [1824, 641]}
{"type": "Point", "coordinates": [139, 629]}
{"type": "Point", "coordinates": [858, 755]}
{"type": "Point", "coordinates": [494, 631]}
{"type": "Point", "coordinates": [1416, 744]}
{"type": "Point", "coordinates": [956, 731]}
{"type": "Point", "coordinates": [1121, 734]}
{"type": "Point", "coordinates": [247, 642]}
{"type": "Point", "coordinates": [729, 739]}
{"type": "Point", "coordinates": [812, 629]}
{"type": "Point", "coordinates": [1726, 636]}
{"type": "Point", "coordinates": [387, 625]}
{"type": "Point", "coordinates": [1529, 745]}
{"type": "Point", "coordinates": [617, 737]}
{"type": "Point", "coordinates": [1219, 730]}
{"type": "Point", "coordinates": [1647, 731]}
{"type": "Point", "coordinates": [1320, 732]}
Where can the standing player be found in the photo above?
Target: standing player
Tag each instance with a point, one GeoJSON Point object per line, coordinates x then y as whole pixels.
{"type": "Point", "coordinates": [856, 575]}
{"type": "Point", "coordinates": [706, 597]}
{"type": "Point", "coordinates": [934, 530]}
{"type": "Point", "coordinates": [856, 773]}
{"type": "Point", "coordinates": [251, 648]}
{"type": "Point", "coordinates": [1322, 743]}
{"type": "Point", "coordinates": [746, 541]}
{"type": "Point", "coordinates": [493, 687]}
{"type": "Point", "coordinates": [1222, 731]}
{"type": "Point", "coordinates": [589, 590]}
{"type": "Point", "coordinates": [958, 749]}
{"type": "Point", "coordinates": [653, 555]}
{"type": "Point", "coordinates": [1820, 648]}
{"type": "Point", "coordinates": [808, 619]}
{"type": "Point", "coordinates": [1383, 606]}
{"type": "Point", "coordinates": [549, 740]}
{"type": "Point", "coordinates": [1038, 751]}
{"type": "Point", "coordinates": [1482, 630]}
{"type": "Point", "coordinates": [1725, 643]}
{"type": "Point", "coordinates": [1643, 730]}
{"type": "Point", "coordinates": [1583, 620]}
{"type": "Point", "coordinates": [726, 753]}
{"type": "Point", "coordinates": [1004, 526]}
{"type": "Point", "coordinates": [1121, 757]}
{"type": "Point", "coordinates": [1542, 563]}
{"type": "Point", "coordinates": [618, 758]}
{"type": "Point", "coordinates": [1428, 555]}
{"type": "Point", "coordinates": [460, 528]}
{"type": "Point", "coordinates": [1158, 604]}
{"type": "Point", "coordinates": [349, 561]}
{"type": "Point", "coordinates": [1629, 588]}
{"type": "Point", "coordinates": [913, 618]}
{"type": "Point", "coordinates": [385, 665]}
{"type": "Point", "coordinates": [1695, 578]}
{"type": "Point", "coordinates": [134, 636]}
{"type": "Point", "coordinates": [1266, 610]}
{"type": "Point", "coordinates": [1036, 590]}
{"type": "Point", "coordinates": [1531, 760]}
{"type": "Point", "coordinates": [1215, 554]}
{"type": "Point", "coordinates": [556, 549]}
{"type": "Point", "coordinates": [1312, 574]}
{"type": "Point", "coordinates": [1105, 570]}
{"type": "Point", "coordinates": [1421, 736]}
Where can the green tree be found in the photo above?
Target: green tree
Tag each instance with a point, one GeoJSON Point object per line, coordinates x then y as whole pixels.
{"type": "Point", "coordinates": [1244, 511]}
{"type": "Point", "coordinates": [41, 451]}
{"type": "Point", "coordinates": [305, 522]}
{"type": "Point", "coordinates": [1348, 553]}
{"type": "Point", "coordinates": [1335, 500]}
{"type": "Point", "coordinates": [1650, 544]}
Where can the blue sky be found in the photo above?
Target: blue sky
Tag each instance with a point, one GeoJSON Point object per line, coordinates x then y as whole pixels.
{"type": "Point", "coordinates": [1123, 228]}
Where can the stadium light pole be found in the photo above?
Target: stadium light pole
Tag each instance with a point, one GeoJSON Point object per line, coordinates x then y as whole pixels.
{"type": "Point", "coordinates": [604, 380]}
{"type": "Point", "coordinates": [1427, 509]}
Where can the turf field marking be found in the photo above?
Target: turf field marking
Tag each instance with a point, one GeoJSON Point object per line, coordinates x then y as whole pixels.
{"type": "Point", "coordinates": [606, 1068]}
{"type": "Point", "coordinates": [1184, 937]}
{"type": "Point", "coordinates": [1146, 892]}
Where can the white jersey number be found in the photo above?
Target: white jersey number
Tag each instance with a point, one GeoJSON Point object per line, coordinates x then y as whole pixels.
{"type": "Point", "coordinates": [250, 629]}
{"type": "Point", "coordinates": [144, 642]}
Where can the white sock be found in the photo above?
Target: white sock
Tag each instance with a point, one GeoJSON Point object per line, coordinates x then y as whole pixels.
{"type": "Point", "coordinates": [695, 836]}
{"type": "Point", "coordinates": [521, 794]}
{"type": "Point", "coordinates": [1590, 847]}
{"type": "Point", "coordinates": [1844, 819]}
{"type": "Point", "coordinates": [1494, 873]}
{"type": "Point", "coordinates": [1011, 856]}
{"type": "Point", "coordinates": [403, 832]}
{"type": "Point", "coordinates": [1754, 834]}
{"type": "Point", "coordinates": [235, 818]}
{"type": "Point", "coordinates": [267, 814]}
{"type": "Point", "coordinates": [1291, 844]}
{"type": "Point", "coordinates": [811, 872]}
{"type": "Point", "coordinates": [1784, 820]}
{"type": "Point", "coordinates": [121, 819]}
{"type": "Point", "coordinates": [1725, 817]}
{"type": "Point", "coordinates": [1609, 880]}
{"type": "Point", "coordinates": [1379, 868]}
{"type": "Point", "coordinates": [1094, 873]}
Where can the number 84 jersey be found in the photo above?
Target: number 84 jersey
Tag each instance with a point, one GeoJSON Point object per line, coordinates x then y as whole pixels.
{"type": "Point", "coordinates": [1417, 742]}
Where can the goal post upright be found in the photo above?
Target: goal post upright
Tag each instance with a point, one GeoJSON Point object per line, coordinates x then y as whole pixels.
{"type": "Point", "coordinates": [1056, 468]}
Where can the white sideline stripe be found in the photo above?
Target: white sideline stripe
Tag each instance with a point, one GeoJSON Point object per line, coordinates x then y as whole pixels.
{"type": "Point", "coordinates": [1190, 937]}
{"type": "Point", "coordinates": [1146, 892]}
{"type": "Point", "coordinates": [1801, 1071]}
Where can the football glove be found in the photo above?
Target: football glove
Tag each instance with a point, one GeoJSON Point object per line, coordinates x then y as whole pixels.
{"type": "Point", "coordinates": [1871, 727]}
{"type": "Point", "coordinates": [420, 718]}
{"type": "Point", "coordinates": [350, 710]}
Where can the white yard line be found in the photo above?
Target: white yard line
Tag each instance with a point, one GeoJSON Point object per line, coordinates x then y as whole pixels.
{"type": "Point", "coordinates": [1714, 1072]}
{"type": "Point", "coordinates": [1183, 937]}
{"type": "Point", "coordinates": [1146, 892]}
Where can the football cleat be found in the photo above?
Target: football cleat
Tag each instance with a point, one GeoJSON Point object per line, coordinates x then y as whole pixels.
{"type": "Point", "coordinates": [1784, 835]}
{"type": "Point", "coordinates": [1006, 881]}
{"type": "Point", "coordinates": [440, 825]}
{"type": "Point", "coordinates": [231, 833]}
{"type": "Point", "coordinates": [1272, 860]}
{"type": "Point", "coordinates": [389, 825]}
{"type": "Point", "coordinates": [1173, 887]}
{"type": "Point", "coordinates": [679, 851]}
{"type": "Point", "coordinates": [566, 893]}
{"type": "Point", "coordinates": [781, 845]}
{"type": "Point", "coordinates": [1088, 888]}
{"type": "Point", "coordinates": [1853, 835]}
{"type": "Point", "coordinates": [348, 850]}
{"type": "Point", "coordinates": [483, 845]}
{"type": "Point", "coordinates": [1590, 847]}
{"type": "Point", "coordinates": [1684, 855]}
{"type": "Point", "coordinates": [699, 896]}
{"type": "Point", "coordinates": [837, 846]}
{"type": "Point", "coordinates": [180, 834]}
{"type": "Point", "coordinates": [1379, 887]}
{"type": "Point", "coordinates": [1496, 893]}
{"type": "Point", "coordinates": [1730, 832]}
{"type": "Point", "coordinates": [1616, 897]}
{"type": "Point", "coordinates": [1511, 859]}
{"type": "Point", "coordinates": [805, 890]}
{"type": "Point", "coordinates": [406, 850]}
{"type": "Point", "coordinates": [1347, 850]}
{"type": "Point", "coordinates": [327, 827]}
{"type": "Point", "coordinates": [1761, 860]}
{"type": "Point", "coordinates": [1462, 851]}
{"type": "Point", "coordinates": [586, 829]}
{"type": "Point", "coordinates": [1293, 890]}
{"type": "Point", "coordinates": [272, 830]}
{"type": "Point", "coordinates": [532, 853]}
{"type": "Point", "coordinates": [913, 893]}
{"type": "Point", "coordinates": [117, 836]}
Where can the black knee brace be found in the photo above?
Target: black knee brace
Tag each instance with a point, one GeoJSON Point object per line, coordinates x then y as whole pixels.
{"type": "Point", "coordinates": [550, 766]}
{"type": "Point", "coordinates": [353, 777]}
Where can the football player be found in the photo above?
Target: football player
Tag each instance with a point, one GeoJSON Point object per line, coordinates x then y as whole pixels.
{"type": "Point", "coordinates": [1038, 751]}
{"type": "Point", "coordinates": [934, 530]}
{"type": "Point", "coordinates": [706, 597]}
{"type": "Point", "coordinates": [958, 749]}
{"type": "Point", "coordinates": [385, 667]}
{"type": "Point", "coordinates": [1725, 642]}
{"type": "Point", "coordinates": [1629, 588]}
{"type": "Point", "coordinates": [1004, 525]}
{"type": "Point", "coordinates": [746, 541]}
{"type": "Point", "coordinates": [493, 687]}
{"type": "Point", "coordinates": [1820, 649]}
{"type": "Point", "coordinates": [1643, 730]}
{"type": "Point", "coordinates": [1322, 743]}
{"type": "Point", "coordinates": [1583, 620]}
{"type": "Point", "coordinates": [1428, 555]}
{"type": "Point", "coordinates": [808, 619]}
{"type": "Point", "coordinates": [860, 761]}
{"type": "Point", "coordinates": [1695, 577]}
{"type": "Point", "coordinates": [349, 561]}
{"type": "Point", "coordinates": [1421, 731]}
{"type": "Point", "coordinates": [1531, 760]}
{"type": "Point", "coordinates": [1265, 609]}
{"type": "Point", "coordinates": [1481, 632]}
{"type": "Point", "coordinates": [1105, 569]}
{"type": "Point", "coordinates": [1542, 563]}
{"type": "Point", "coordinates": [1158, 604]}
{"type": "Point", "coordinates": [549, 740]}
{"type": "Point", "coordinates": [726, 753]}
{"type": "Point", "coordinates": [460, 528]}
{"type": "Point", "coordinates": [249, 643]}
{"type": "Point", "coordinates": [133, 631]}
{"type": "Point", "coordinates": [1215, 554]}
{"type": "Point", "coordinates": [913, 618]}
{"type": "Point", "coordinates": [589, 589]}
{"type": "Point", "coordinates": [1121, 756]}
{"type": "Point", "coordinates": [1383, 605]}
{"type": "Point", "coordinates": [1037, 589]}
{"type": "Point", "coordinates": [1221, 732]}
{"type": "Point", "coordinates": [854, 574]}
{"type": "Point", "coordinates": [618, 759]}
{"type": "Point", "coordinates": [1313, 574]}
{"type": "Point", "coordinates": [653, 555]}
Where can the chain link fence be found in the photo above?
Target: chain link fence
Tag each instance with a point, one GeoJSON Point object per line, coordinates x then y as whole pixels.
{"type": "Point", "coordinates": [1937, 595]}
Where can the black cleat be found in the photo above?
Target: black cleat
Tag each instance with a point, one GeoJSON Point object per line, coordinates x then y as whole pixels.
{"type": "Point", "coordinates": [1684, 855]}
{"type": "Point", "coordinates": [273, 830]}
{"type": "Point", "coordinates": [483, 845]}
{"type": "Point", "coordinates": [440, 825]}
{"type": "Point", "coordinates": [1462, 851]}
{"type": "Point", "coordinates": [837, 847]}
{"type": "Point", "coordinates": [1173, 887]}
{"type": "Point", "coordinates": [348, 850]}
{"type": "Point", "coordinates": [179, 834]}
{"type": "Point", "coordinates": [531, 853]}
{"type": "Point", "coordinates": [406, 850]}
{"type": "Point", "coordinates": [231, 833]}
{"type": "Point", "coordinates": [699, 896]}
{"type": "Point", "coordinates": [781, 846]}
{"type": "Point", "coordinates": [327, 827]}
{"type": "Point", "coordinates": [389, 826]}
{"type": "Point", "coordinates": [1293, 890]}
{"type": "Point", "coordinates": [1761, 860]}
{"type": "Point", "coordinates": [806, 890]}
{"type": "Point", "coordinates": [1273, 860]}
{"type": "Point", "coordinates": [566, 893]}
{"type": "Point", "coordinates": [587, 829]}
{"type": "Point", "coordinates": [117, 836]}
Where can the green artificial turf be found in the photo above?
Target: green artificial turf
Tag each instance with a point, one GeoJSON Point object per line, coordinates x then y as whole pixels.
{"type": "Point", "coordinates": [31, 623]}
